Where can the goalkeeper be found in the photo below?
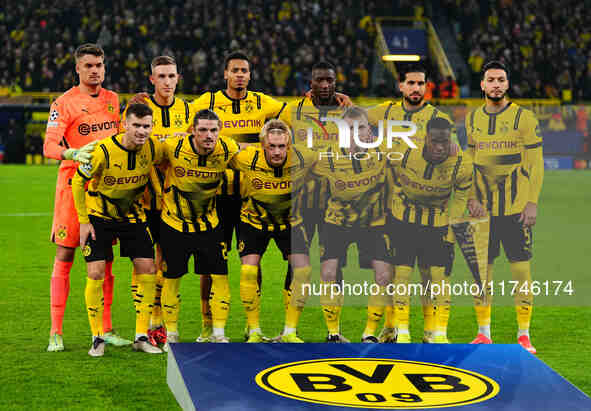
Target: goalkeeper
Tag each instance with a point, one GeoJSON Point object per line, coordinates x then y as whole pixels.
{"type": "Point", "coordinates": [77, 119]}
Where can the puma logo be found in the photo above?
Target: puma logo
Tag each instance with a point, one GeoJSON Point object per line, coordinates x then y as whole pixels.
{"type": "Point", "coordinates": [118, 165]}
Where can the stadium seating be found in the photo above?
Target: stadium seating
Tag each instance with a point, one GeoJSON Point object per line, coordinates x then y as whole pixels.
{"type": "Point", "coordinates": [39, 41]}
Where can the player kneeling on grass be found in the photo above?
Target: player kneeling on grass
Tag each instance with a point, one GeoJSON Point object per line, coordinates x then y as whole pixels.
{"type": "Point", "coordinates": [271, 178]}
{"type": "Point", "coordinates": [421, 208]}
{"type": "Point", "coordinates": [194, 170]}
{"type": "Point", "coordinates": [109, 209]}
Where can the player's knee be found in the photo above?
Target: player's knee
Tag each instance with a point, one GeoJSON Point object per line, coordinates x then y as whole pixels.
{"type": "Point", "coordinates": [144, 265]}
{"type": "Point", "coordinates": [248, 273]}
{"type": "Point", "coordinates": [383, 278]}
{"type": "Point", "coordinates": [96, 270]}
{"type": "Point", "coordinates": [65, 254]}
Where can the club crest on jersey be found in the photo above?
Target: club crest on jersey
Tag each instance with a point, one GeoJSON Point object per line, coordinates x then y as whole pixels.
{"type": "Point", "coordinates": [178, 122]}
{"type": "Point", "coordinates": [110, 108]}
{"type": "Point", "coordinates": [143, 160]}
{"type": "Point", "coordinates": [248, 107]}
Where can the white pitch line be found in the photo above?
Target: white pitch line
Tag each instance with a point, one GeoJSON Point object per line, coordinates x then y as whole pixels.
{"type": "Point", "coordinates": [26, 215]}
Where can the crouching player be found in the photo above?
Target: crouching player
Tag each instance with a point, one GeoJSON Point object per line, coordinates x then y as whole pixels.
{"type": "Point", "coordinates": [354, 213]}
{"type": "Point", "coordinates": [421, 207]}
{"type": "Point", "coordinates": [271, 177]}
{"type": "Point", "coordinates": [117, 178]}
{"type": "Point", "coordinates": [194, 170]}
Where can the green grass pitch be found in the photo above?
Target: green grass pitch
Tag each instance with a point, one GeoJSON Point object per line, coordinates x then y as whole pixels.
{"type": "Point", "coordinates": [34, 379]}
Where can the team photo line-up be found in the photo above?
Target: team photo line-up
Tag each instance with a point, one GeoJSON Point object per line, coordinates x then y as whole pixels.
{"type": "Point", "coordinates": [184, 177]}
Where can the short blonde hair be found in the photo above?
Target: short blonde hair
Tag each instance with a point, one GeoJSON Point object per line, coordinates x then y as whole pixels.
{"type": "Point", "coordinates": [275, 125]}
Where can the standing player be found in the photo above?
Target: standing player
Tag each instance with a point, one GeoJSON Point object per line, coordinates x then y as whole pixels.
{"type": "Point", "coordinates": [504, 140]}
{"type": "Point", "coordinates": [190, 223]}
{"type": "Point", "coordinates": [172, 117]}
{"type": "Point", "coordinates": [271, 177]}
{"type": "Point", "coordinates": [306, 113]}
{"type": "Point", "coordinates": [422, 205]}
{"type": "Point", "coordinates": [355, 213]}
{"type": "Point", "coordinates": [243, 114]}
{"type": "Point", "coordinates": [412, 107]}
{"type": "Point", "coordinates": [78, 118]}
{"type": "Point", "coordinates": [110, 209]}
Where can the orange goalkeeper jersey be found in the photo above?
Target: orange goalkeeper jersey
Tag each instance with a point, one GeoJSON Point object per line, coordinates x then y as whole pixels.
{"type": "Point", "coordinates": [76, 119]}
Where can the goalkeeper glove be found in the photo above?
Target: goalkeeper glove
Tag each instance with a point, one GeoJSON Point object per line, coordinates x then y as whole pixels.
{"type": "Point", "coordinates": [82, 155]}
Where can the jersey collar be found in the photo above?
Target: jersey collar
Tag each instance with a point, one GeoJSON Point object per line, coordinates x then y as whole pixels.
{"type": "Point", "coordinates": [412, 111]}
{"type": "Point", "coordinates": [158, 105]}
{"type": "Point", "coordinates": [118, 144]}
{"type": "Point", "coordinates": [234, 99]}
{"type": "Point", "coordinates": [495, 114]}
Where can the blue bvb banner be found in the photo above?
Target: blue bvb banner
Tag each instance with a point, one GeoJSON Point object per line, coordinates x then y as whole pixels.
{"type": "Point", "coordinates": [276, 377]}
{"type": "Point", "coordinates": [406, 41]}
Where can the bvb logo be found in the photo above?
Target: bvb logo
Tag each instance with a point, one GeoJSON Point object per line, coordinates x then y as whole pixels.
{"type": "Point", "coordinates": [86, 250]}
{"type": "Point", "coordinates": [110, 108]}
{"type": "Point", "coordinates": [248, 107]}
{"type": "Point", "coordinates": [377, 383]}
{"type": "Point", "coordinates": [110, 180]}
{"type": "Point", "coordinates": [178, 122]}
{"type": "Point", "coordinates": [143, 160]}
{"type": "Point", "coordinates": [241, 246]}
{"type": "Point", "coordinates": [62, 233]}
{"type": "Point", "coordinates": [321, 251]}
{"type": "Point", "coordinates": [257, 183]}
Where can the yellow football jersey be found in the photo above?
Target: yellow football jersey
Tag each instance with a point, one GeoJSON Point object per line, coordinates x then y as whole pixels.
{"type": "Point", "coordinates": [422, 190]}
{"type": "Point", "coordinates": [506, 148]}
{"type": "Point", "coordinates": [242, 119]}
{"type": "Point", "coordinates": [357, 187]}
{"type": "Point", "coordinates": [270, 193]}
{"type": "Point", "coordinates": [302, 114]}
{"type": "Point", "coordinates": [167, 122]}
{"type": "Point", "coordinates": [118, 177]}
{"type": "Point", "coordinates": [391, 110]}
{"type": "Point", "coordinates": [191, 182]}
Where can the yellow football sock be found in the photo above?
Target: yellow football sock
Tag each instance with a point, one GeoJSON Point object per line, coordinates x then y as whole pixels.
{"type": "Point", "coordinates": [376, 305]}
{"type": "Point", "coordinates": [428, 318]}
{"type": "Point", "coordinates": [219, 300]}
{"type": "Point", "coordinates": [205, 284]}
{"type": "Point", "coordinates": [442, 300]}
{"type": "Point", "coordinates": [332, 302]}
{"type": "Point", "coordinates": [171, 303]}
{"type": "Point", "coordinates": [94, 305]}
{"type": "Point", "coordinates": [299, 296]}
{"type": "Point", "coordinates": [145, 292]}
{"type": "Point", "coordinates": [523, 300]}
{"type": "Point", "coordinates": [134, 289]}
{"type": "Point", "coordinates": [402, 301]}
{"type": "Point", "coordinates": [249, 294]}
{"type": "Point", "coordinates": [482, 304]}
{"type": "Point", "coordinates": [156, 319]}
{"type": "Point", "coordinates": [390, 317]}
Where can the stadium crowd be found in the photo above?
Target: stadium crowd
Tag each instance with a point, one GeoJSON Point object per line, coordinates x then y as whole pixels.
{"type": "Point", "coordinates": [40, 38]}
{"type": "Point", "coordinates": [547, 44]}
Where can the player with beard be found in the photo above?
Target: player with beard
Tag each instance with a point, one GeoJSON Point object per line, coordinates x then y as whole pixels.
{"type": "Point", "coordinates": [505, 143]}
{"type": "Point", "coordinates": [412, 107]}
